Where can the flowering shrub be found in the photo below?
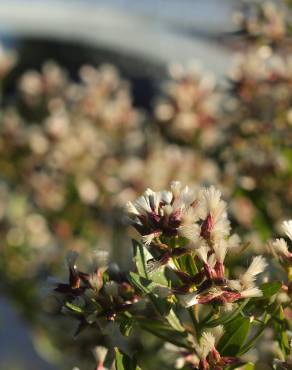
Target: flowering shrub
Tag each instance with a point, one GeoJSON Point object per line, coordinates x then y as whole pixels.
{"type": "Point", "coordinates": [183, 287]}
{"type": "Point", "coordinates": [73, 152]}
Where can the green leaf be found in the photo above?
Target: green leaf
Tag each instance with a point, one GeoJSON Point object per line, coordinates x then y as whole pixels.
{"type": "Point", "coordinates": [163, 331]}
{"type": "Point", "coordinates": [187, 265]}
{"type": "Point", "coordinates": [124, 362]}
{"type": "Point", "coordinates": [73, 307]}
{"type": "Point", "coordinates": [142, 256]}
{"type": "Point", "coordinates": [250, 344]}
{"type": "Point", "coordinates": [174, 321]}
{"type": "Point", "coordinates": [126, 326]}
{"type": "Point", "coordinates": [144, 285]}
{"type": "Point", "coordinates": [269, 289]}
{"type": "Point", "coordinates": [148, 288]}
{"type": "Point", "coordinates": [228, 317]}
{"type": "Point", "coordinates": [269, 317]}
{"type": "Point", "coordinates": [163, 306]}
{"type": "Point", "coordinates": [235, 335]}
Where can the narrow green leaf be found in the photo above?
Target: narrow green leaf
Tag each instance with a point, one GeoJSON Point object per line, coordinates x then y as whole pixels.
{"type": "Point", "coordinates": [146, 286]}
{"type": "Point", "coordinates": [163, 307]}
{"type": "Point", "coordinates": [235, 335]}
{"type": "Point", "coordinates": [163, 331]}
{"type": "Point", "coordinates": [149, 288]}
{"type": "Point", "coordinates": [250, 344]}
{"type": "Point", "coordinates": [269, 289]}
{"type": "Point", "coordinates": [225, 319]}
{"type": "Point", "coordinates": [189, 265]}
{"type": "Point", "coordinates": [126, 326]}
{"type": "Point", "coordinates": [174, 321]}
{"type": "Point", "coordinates": [140, 258]}
{"type": "Point", "coordinates": [124, 362]}
{"type": "Point", "coordinates": [73, 307]}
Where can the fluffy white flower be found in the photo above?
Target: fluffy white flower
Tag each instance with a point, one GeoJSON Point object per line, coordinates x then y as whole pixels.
{"type": "Point", "coordinates": [212, 260]}
{"type": "Point", "coordinates": [257, 266]}
{"type": "Point", "coordinates": [166, 196]}
{"type": "Point", "coordinates": [280, 247]}
{"type": "Point", "coordinates": [234, 284]}
{"type": "Point", "coordinates": [251, 292]}
{"type": "Point", "coordinates": [191, 232]}
{"type": "Point", "coordinates": [214, 207]}
{"type": "Point", "coordinates": [184, 199]}
{"type": "Point", "coordinates": [212, 202]}
{"type": "Point", "coordinates": [202, 253]}
{"type": "Point", "coordinates": [142, 204]}
{"type": "Point", "coordinates": [233, 243]}
{"type": "Point", "coordinates": [153, 199]}
{"type": "Point", "coordinates": [207, 343]}
{"type": "Point", "coordinates": [220, 250]}
{"type": "Point", "coordinates": [287, 228]}
{"type": "Point", "coordinates": [192, 213]}
{"type": "Point", "coordinates": [217, 332]}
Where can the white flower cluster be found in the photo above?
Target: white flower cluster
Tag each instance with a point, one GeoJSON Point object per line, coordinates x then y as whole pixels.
{"type": "Point", "coordinates": [196, 215]}
{"type": "Point", "coordinates": [200, 216]}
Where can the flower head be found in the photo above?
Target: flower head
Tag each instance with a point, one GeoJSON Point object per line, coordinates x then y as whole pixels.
{"type": "Point", "coordinates": [280, 247]}
{"type": "Point", "coordinates": [165, 213]}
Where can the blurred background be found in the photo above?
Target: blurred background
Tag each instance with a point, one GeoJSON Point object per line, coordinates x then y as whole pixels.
{"type": "Point", "coordinates": [102, 99]}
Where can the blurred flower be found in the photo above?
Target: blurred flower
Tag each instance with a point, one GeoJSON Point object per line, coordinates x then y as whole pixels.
{"type": "Point", "coordinates": [188, 110]}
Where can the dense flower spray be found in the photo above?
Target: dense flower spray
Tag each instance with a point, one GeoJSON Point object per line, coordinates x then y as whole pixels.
{"type": "Point", "coordinates": [200, 217]}
{"type": "Point", "coordinates": [183, 289]}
